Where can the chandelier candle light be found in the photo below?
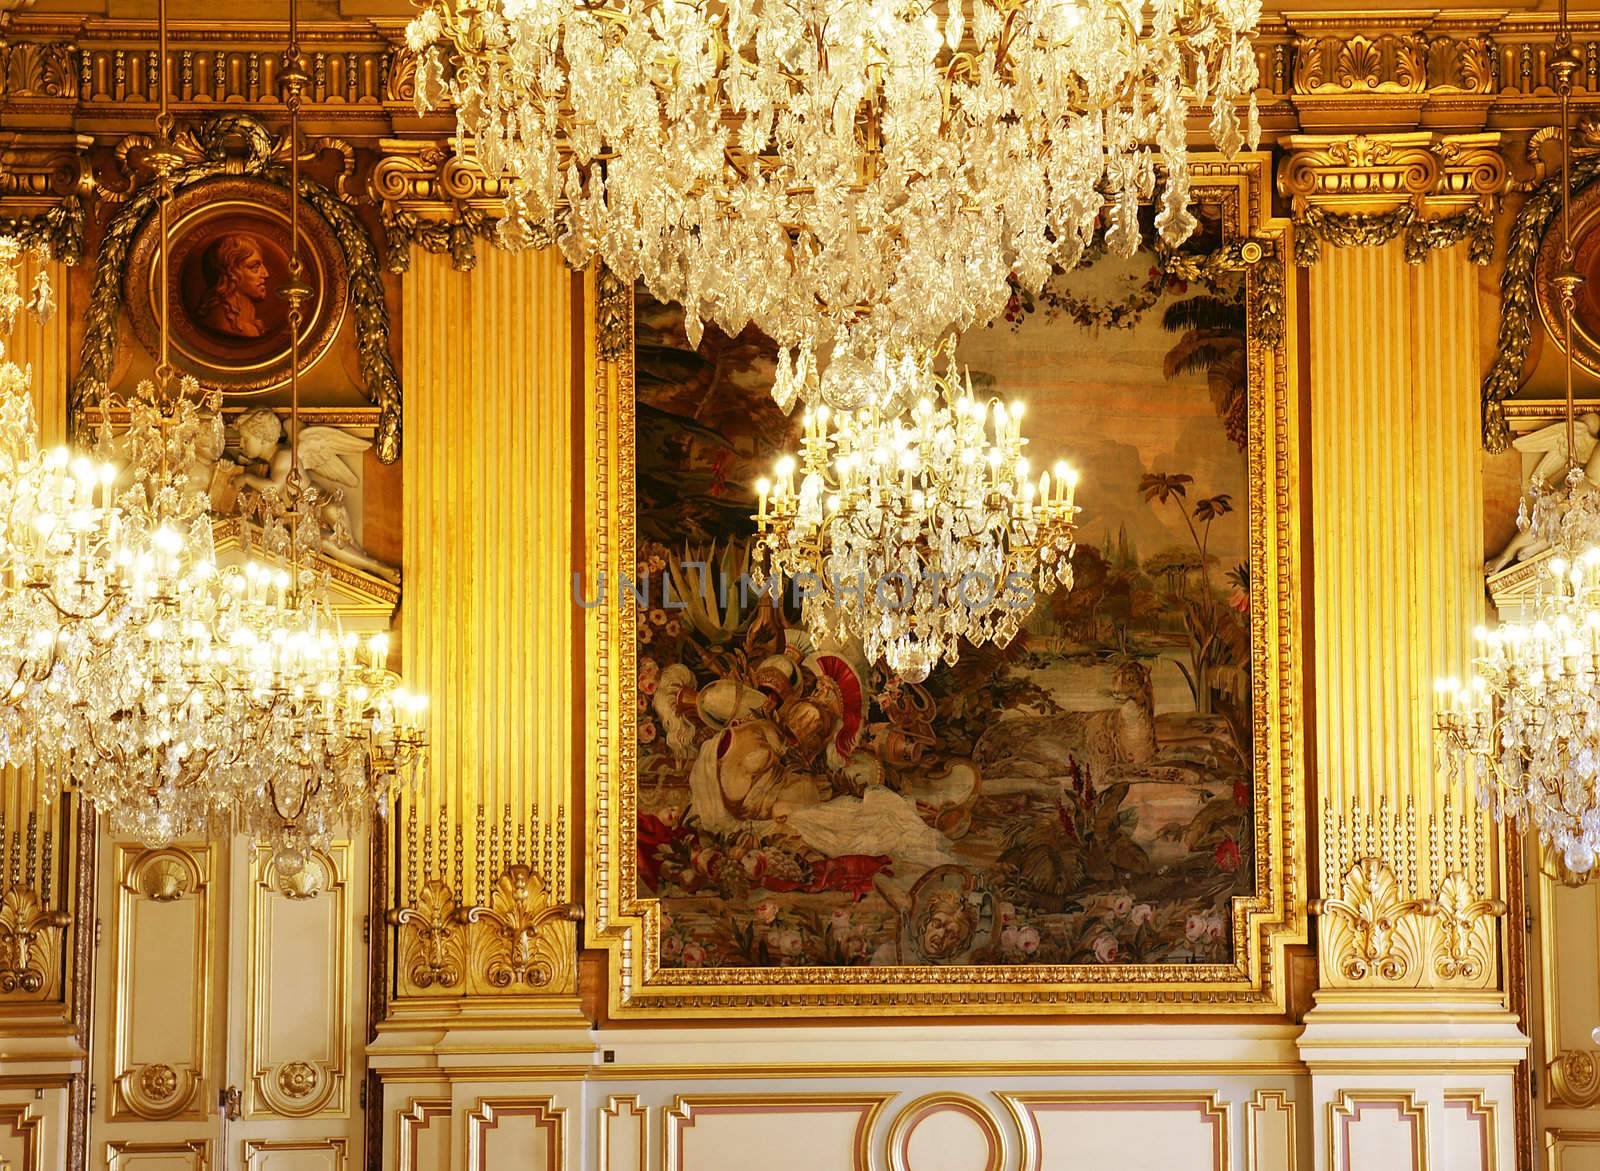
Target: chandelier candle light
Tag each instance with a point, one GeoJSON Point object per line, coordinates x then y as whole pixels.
{"type": "Point", "coordinates": [1526, 729]}
{"type": "Point", "coordinates": [911, 529]}
{"type": "Point", "coordinates": [842, 166]}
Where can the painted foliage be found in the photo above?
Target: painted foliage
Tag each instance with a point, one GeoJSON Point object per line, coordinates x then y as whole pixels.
{"type": "Point", "coordinates": [1081, 796]}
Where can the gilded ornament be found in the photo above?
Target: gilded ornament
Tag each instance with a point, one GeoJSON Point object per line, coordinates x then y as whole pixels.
{"type": "Point", "coordinates": [297, 1079]}
{"type": "Point", "coordinates": [1370, 920]}
{"type": "Point", "coordinates": [164, 880]}
{"type": "Point", "coordinates": [524, 943]}
{"type": "Point", "coordinates": [30, 932]}
{"type": "Point", "coordinates": [1574, 1079]}
{"type": "Point", "coordinates": [432, 938]}
{"type": "Point", "coordinates": [158, 1082]}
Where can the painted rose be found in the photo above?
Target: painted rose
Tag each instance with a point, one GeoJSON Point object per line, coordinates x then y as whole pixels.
{"type": "Point", "coordinates": [671, 946]}
{"type": "Point", "coordinates": [1008, 939]}
{"type": "Point", "coordinates": [693, 955]}
{"type": "Point", "coordinates": [1121, 905]}
{"type": "Point", "coordinates": [1141, 914]}
{"type": "Point", "coordinates": [1194, 927]}
{"type": "Point", "coordinates": [1228, 856]}
{"type": "Point", "coordinates": [670, 815]}
{"type": "Point", "coordinates": [1007, 913]}
{"type": "Point", "coordinates": [1105, 948]}
{"type": "Point", "coordinates": [1027, 940]}
{"type": "Point", "coordinates": [766, 910]}
{"type": "Point", "coordinates": [1215, 927]}
{"type": "Point", "coordinates": [649, 670]}
{"type": "Point", "coordinates": [787, 942]}
{"type": "Point", "coordinates": [647, 731]}
{"type": "Point", "coordinates": [840, 921]}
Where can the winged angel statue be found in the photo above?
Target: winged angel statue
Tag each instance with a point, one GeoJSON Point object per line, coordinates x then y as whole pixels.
{"type": "Point", "coordinates": [1547, 447]}
{"type": "Point", "coordinates": [323, 452]}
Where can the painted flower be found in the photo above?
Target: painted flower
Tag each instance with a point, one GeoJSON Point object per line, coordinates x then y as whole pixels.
{"type": "Point", "coordinates": [1215, 927]}
{"type": "Point", "coordinates": [1105, 948]}
{"type": "Point", "coordinates": [1027, 940]}
{"type": "Point", "coordinates": [1121, 905]}
{"type": "Point", "coordinates": [693, 955]}
{"type": "Point", "coordinates": [673, 628]}
{"type": "Point", "coordinates": [658, 616]}
{"type": "Point", "coordinates": [666, 922]}
{"type": "Point", "coordinates": [1008, 939]}
{"type": "Point", "coordinates": [766, 910]}
{"type": "Point", "coordinates": [1194, 927]}
{"type": "Point", "coordinates": [647, 731]}
{"type": "Point", "coordinates": [1241, 793]}
{"type": "Point", "coordinates": [1007, 912]}
{"type": "Point", "coordinates": [657, 563]}
{"type": "Point", "coordinates": [1228, 856]}
{"type": "Point", "coordinates": [788, 942]}
{"type": "Point", "coordinates": [1239, 600]}
{"type": "Point", "coordinates": [669, 815]}
{"type": "Point", "coordinates": [642, 702]}
{"type": "Point", "coordinates": [841, 921]}
{"type": "Point", "coordinates": [646, 632]}
{"type": "Point", "coordinates": [671, 946]}
{"type": "Point", "coordinates": [1141, 914]}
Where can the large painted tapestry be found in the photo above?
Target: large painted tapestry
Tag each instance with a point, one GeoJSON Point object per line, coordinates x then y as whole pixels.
{"type": "Point", "coordinates": [1082, 796]}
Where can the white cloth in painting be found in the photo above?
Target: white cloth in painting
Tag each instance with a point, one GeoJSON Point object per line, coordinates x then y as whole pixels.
{"type": "Point", "coordinates": [878, 822]}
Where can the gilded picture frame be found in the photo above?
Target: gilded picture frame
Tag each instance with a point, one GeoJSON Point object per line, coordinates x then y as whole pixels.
{"type": "Point", "coordinates": [628, 925]}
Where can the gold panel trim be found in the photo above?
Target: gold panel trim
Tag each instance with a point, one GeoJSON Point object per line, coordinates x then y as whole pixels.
{"type": "Point", "coordinates": [125, 1156]}
{"type": "Point", "coordinates": [685, 1111]}
{"type": "Point", "coordinates": [1345, 1111]}
{"type": "Point", "coordinates": [1559, 1140]}
{"type": "Point", "coordinates": [1261, 1103]}
{"type": "Point", "coordinates": [1484, 1115]}
{"type": "Point", "coordinates": [161, 1090]}
{"type": "Point", "coordinates": [258, 1150]}
{"type": "Point", "coordinates": [22, 1123]}
{"type": "Point", "coordinates": [1025, 1106]}
{"type": "Point", "coordinates": [304, 1085]}
{"type": "Point", "coordinates": [489, 1113]}
{"type": "Point", "coordinates": [907, 1121]}
{"type": "Point", "coordinates": [419, 1114]}
{"type": "Point", "coordinates": [613, 1110]}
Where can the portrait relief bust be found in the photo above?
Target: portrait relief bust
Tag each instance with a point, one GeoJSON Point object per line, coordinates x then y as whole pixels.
{"type": "Point", "coordinates": [236, 273]}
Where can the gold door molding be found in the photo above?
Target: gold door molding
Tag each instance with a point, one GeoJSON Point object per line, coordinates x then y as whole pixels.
{"type": "Point", "coordinates": [1261, 1151]}
{"type": "Point", "coordinates": [27, 1128]}
{"type": "Point", "coordinates": [419, 1114]}
{"type": "Point", "coordinates": [1482, 1115]}
{"type": "Point", "coordinates": [164, 930]}
{"type": "Point", "coordinates": [259, 1154]}
{"type": "Point", "coordinates": [294, 1074]}
{"type": "Point", "coordinates": [136, 1156]}
{"type": "Point", "coordinates": [629, 925]}
{"type": "Point", "coordinates": [617, 1108]}
{"type": "Point", "coordinates": [546, 1118]}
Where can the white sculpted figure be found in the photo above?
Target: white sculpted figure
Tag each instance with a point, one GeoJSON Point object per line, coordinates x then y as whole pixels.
{"type": "Point", "coordinates": [1549, 444]}
{"type": "Point", "coordinates": [322, 452]}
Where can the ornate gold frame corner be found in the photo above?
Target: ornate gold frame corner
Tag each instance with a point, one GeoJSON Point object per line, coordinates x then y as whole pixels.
{"type": "Point", "coordinates": [1264, 925]}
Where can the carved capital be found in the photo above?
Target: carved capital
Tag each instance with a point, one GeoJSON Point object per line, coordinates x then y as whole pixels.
{"type": "Point", "coordinates": [1434, 190]}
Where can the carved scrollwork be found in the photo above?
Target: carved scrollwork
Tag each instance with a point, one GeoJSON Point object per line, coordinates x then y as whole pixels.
{"type": "Point", "coordinates": [523, 945]}
{"type": "Point", "coordinates": [1259, 258]}
{"type": "Point", "coordinates": [432, 939]}
{"type": "Point", "coordinates": [614, 310]}
{"type": "Point", "coordinates": [30, 937]}
{"type": "Point", "coordinates": [1465, 923]}
{"type": "Point", "coordinates": [1370, 933]}
{"type": "Point", "coordinates": [158, 1091]}
{"type": "Point", "coordinates": [1574, 1079]}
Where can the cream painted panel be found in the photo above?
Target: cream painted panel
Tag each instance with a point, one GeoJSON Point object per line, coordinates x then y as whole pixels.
{"type": "Point", "coordinates": [624, 1134]}
{"type": "Point", "coordinates": [1379, 1136]}
{"type": "Point", "coordinates": [527, 1134]}
{"type": "Point", "coordinates": [158, 1156]}
{"type": "Point", "coordinates": [312, 1155]}
{"type": "Point", "coordinates": [1466, 1138]}
{"type": "Point", "coordinates": [1133, 1132]}
{"type": "Point", "coordinates": [796, 1133]}
{"type": "Point", "coordinates": [297, 1030]}
{"type": "Point", "coordinates": [1270, 1139]}
{"type": "Point", "coordinates": [422, 1135]}
{"type": "Point", "coordinates": [162, 975]}
{"type": "Point", "coordinates": [1573, 1150]}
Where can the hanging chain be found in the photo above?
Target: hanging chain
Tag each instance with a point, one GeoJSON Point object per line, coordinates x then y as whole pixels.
{"type": "Point", "coordinates": [295, 290]}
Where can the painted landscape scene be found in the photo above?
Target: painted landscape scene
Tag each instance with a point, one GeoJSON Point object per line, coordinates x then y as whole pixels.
{"type": "Point", "coordinates": [1082, 796]}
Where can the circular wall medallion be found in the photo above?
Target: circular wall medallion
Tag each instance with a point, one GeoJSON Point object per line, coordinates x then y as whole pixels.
{"type": "Point", "coordinates": [1586, 260]}
{"type": "Point", "coordinates": [229, 261]}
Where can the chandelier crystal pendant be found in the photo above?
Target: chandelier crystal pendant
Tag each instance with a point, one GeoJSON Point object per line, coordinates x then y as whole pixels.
{"type": "Point", "coordinates": [912, 528]}
{"type": "Point", "coordinates": [1525, 730]}
{"type": "Point", "coordinates": [334, 733]}
{"type": "Point", "coordinates": [886, 165]}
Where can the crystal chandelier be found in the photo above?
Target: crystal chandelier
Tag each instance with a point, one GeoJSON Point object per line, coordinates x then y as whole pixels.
{"type": "Point", "coordinates": [333, 732]}
{"type": "Point", "coordinates": [882, 164]}
{"type": "Point", "coordinates": [911, 528]}
{"type": "Point", "coordinates": [1526, 729]}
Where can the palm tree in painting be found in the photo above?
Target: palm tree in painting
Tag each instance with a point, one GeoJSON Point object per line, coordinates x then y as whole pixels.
{"type": "Point", "coordinates": [1213, 343]}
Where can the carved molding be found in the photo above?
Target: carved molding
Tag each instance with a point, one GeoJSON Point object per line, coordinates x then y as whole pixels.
{"type": "Point", "coordinates": [1377, 929]}
{"type": "Point", "coordinates": [1432, 190]}
{"type": "Point", "coordinates": [433, 949]}
{"type": "Point", "coordinates": [30, 945]}
{"type": "Point", "coordinates": [1260, 259]}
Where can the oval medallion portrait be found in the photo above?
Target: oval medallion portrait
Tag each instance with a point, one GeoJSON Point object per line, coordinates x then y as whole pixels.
{"type": "Point", "coordinates": [229, 262]}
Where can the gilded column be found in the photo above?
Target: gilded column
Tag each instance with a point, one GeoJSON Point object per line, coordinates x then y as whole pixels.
{"type": "Point", "coordinates": [1409, 949]}
{"type": "Point", "coordinates": [481, 875]}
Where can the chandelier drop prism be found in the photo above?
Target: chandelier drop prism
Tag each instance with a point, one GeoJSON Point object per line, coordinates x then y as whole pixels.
{"type": "Point", "coordinates": [880, 165]}
{"type": "Point", "coordinates": [913, 528]}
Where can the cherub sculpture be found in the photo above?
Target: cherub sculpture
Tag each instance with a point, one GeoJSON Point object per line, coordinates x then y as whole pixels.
{"type": "Point", "coordinates": [1549, 444]}
{"type": "Point", "coordinates": [322, 455]}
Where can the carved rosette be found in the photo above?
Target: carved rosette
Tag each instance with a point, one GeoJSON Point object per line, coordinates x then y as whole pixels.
{"type": "Point", "coordinates": [1430, 190]}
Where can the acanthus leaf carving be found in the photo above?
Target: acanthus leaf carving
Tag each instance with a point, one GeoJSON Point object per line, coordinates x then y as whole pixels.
{"type": "Point", "coordinates": [523, 945]}
{"type": "Point", "coordinates": [30, 935]}
{"type": "Point", "coordinates": [432, 938]}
